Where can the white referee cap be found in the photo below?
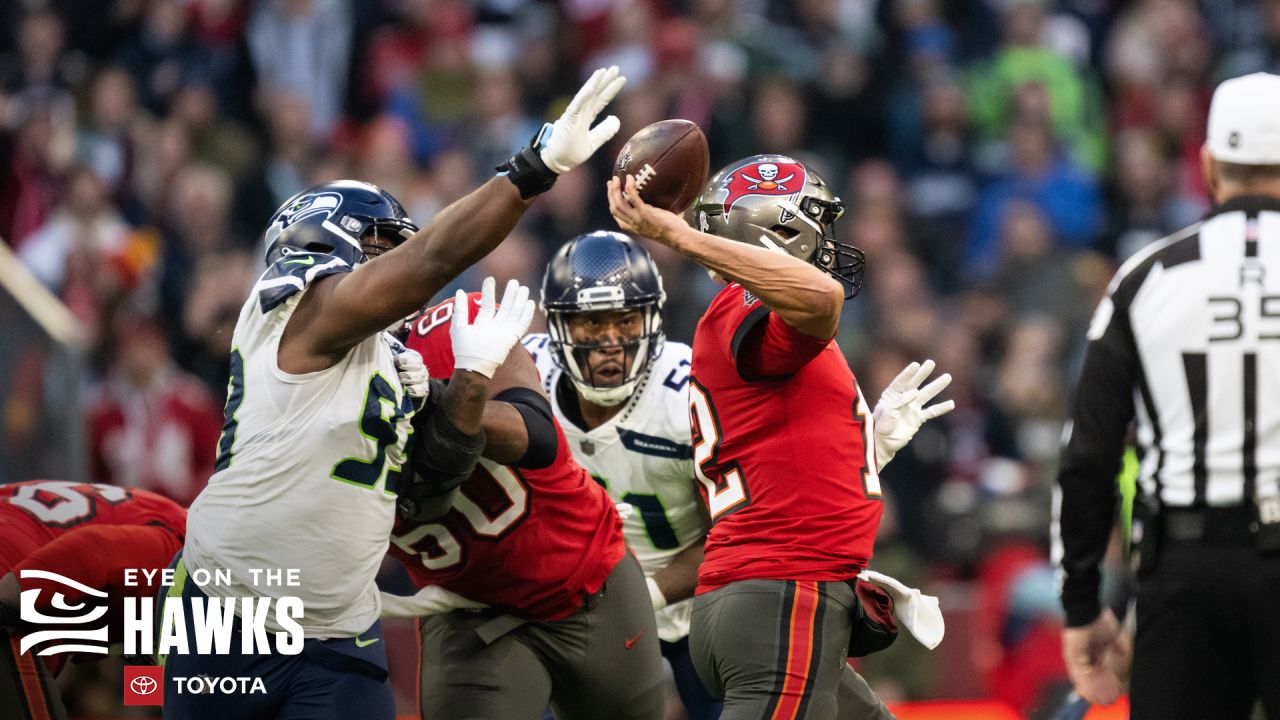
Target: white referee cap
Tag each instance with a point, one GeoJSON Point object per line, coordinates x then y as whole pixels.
{"type": "Point", "coordinates": [1244, 120]}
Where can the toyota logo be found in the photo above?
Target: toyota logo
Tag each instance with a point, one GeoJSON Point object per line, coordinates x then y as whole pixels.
{"type": "Point", "coordinates": [143, 685]}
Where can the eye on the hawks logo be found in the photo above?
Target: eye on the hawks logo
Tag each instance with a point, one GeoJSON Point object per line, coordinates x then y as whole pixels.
{"type": "Point", "coordinates": [763, 178]}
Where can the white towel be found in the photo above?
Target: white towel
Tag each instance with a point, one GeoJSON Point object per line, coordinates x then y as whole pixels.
{"type": "Point", "coordinates": [917, 612]}
{"type": "Point", "coordinates": [430, 600]}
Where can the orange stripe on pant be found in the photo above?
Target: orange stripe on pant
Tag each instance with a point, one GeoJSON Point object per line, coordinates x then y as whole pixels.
{"type": "Point", "coordinates": [799, 650]}
{"type": "Point", "coordinates": [29, 676]}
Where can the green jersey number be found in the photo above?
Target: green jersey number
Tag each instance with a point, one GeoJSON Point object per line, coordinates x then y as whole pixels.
{"type": "Point", "coordinates": [378, 422]}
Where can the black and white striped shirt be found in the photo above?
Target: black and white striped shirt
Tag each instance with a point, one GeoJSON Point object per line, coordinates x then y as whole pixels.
{"type": "Point", "coordinates": [1188, 342]}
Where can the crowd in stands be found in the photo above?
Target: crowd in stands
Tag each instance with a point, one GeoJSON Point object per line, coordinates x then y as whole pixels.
{"type": "Point", "coordinates": [998, 159]}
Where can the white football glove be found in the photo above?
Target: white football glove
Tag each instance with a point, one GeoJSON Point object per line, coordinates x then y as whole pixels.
{"type": "Point", "coordinates": [483, 343]}
{"type": "Point", "coordinates": [414, 376]}
{"type": "Point", "coordinates": [568, 142]}
{"type": "Point", "coordinates": [900, 411]}
{"type": "Point", "coordinates": [430, 600]}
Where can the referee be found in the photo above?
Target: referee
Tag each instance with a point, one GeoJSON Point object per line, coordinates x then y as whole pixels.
{"type": "Point", "coordinates": [1188, 342]}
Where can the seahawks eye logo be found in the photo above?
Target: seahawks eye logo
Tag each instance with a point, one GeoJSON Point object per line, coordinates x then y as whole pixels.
{"type": "Point", "coordinates": [60, 613]}
{"type": "Point", "coordinates": [308, 206]}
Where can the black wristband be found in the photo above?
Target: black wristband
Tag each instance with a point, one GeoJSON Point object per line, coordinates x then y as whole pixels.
{"type": "Point", "coordinates": [526, 170]}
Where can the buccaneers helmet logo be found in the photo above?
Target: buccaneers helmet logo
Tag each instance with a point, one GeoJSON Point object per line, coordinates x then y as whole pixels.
{"type": "Point", "coordinates": [765, 178]}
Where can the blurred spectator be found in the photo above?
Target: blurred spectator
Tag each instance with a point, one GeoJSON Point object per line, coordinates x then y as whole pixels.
{"type": "Point", "coordinates": [109, 140]}
{"type": "Point", "coordinates": [1042, 176]}
{"type": "Point", "coordinates": [942, 185]}
{"type": "Point", "coordinates": [1146, 203]}
{"type": "Point", "coordinates": [304, 47]}
{"type": "Point", "coordinates": [1033, 274]}
{"type": "Point", "coordinates": [573, 207]}
{"type": "Point", "coordinates": [1150, 41]}
{"type": "Point", "coordinates": [1070, 98]}
{"type": "Point", "coordinates": [196, 226]}
{"type": "Point", "coordinates": [437, 97]}
{"type": "Point", "coordinates": [32, 159]}
{"type": "Point", "coordinates": [162, 56]}
{"type": "Point", "coordinates": [779, 117]}
{"type": "Point", "coordinates": [215, 139]}
{"type": "Point", "coordinates": [500, 122]}
{"type": "Point", "coordinates": [1183, 105]}
{"type": "Point", "coordinates": [40, 64]}
{"type": "Point", "coordinates": [284, 170]}
{"type": "Point", "coordinates": [160, 160]}
{"type": "Point", "coordinates": [152, 426]}
{"type": "Point", "coordinates": [212, 306]}
{"type": "Point", "coordinates": [1031, 385]}
{"type": "Point", "coordinates": [630, 42]}
{"type": "Point", "coordinates": [386, 160]}
{"type": "Point", "coordinates": [85, 222]}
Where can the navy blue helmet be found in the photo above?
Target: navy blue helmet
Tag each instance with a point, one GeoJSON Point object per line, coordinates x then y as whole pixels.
{"type": "Point", "coordinates": [602, 271]}
{"type": "Point", "coordinates": [334, 218]}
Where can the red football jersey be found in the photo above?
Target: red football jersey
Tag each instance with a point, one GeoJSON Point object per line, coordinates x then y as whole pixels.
{"type": "Point", "coordinates": [785, 464]}
{"type": "Point", "coordinates": [34, 513]}
{"type": "Point", "coordinates": [92, 534]}
{"type": "Point", "coordinates": [529, 542]}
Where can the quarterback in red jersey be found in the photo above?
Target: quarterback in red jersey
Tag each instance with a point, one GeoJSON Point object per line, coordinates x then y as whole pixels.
{"type": "Point", "coordinates": [531, 535]}
{"type": "Point", "coordinates": [90, 534]}
{"type": "Point", "coordinates": [794, 511]}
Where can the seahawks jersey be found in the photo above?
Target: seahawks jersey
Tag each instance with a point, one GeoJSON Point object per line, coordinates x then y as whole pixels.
{"type": "Point", "coordinates": [306, 467]}
{"type": "Point", "coordinates": [643, 457]}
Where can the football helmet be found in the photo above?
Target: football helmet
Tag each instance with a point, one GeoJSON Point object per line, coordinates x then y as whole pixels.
{"type": "Point", "coordinates": [603, 271]}
{"type": "Point", "coordinates": [777, 203]}
{"type": "Point", "coordinates": [333, 218]}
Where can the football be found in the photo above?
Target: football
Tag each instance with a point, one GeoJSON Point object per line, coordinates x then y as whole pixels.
{"type": "Point", "coordinates": [670, 161]}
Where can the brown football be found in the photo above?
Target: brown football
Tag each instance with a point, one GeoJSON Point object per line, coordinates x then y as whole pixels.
{"type": "Point", "coordinates": [670, 161]}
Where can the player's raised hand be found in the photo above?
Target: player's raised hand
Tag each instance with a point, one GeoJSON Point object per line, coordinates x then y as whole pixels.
{"type": "Point", "coordinates": [570, 140]}
{"type": "Point", "coordinates": [636, 216]}
{"type": "Point", "coordinates": [565, 144]}
{"type": "Point", "coordinates": [901, 410]}
{"type": "Point", "coordinates": [481, 344]}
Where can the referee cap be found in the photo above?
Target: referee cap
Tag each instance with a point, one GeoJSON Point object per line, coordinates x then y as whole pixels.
{"type": "Point", "coordinates": [1244, 120]}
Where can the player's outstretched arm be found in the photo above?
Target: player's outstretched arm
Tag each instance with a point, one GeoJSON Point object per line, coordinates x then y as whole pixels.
{"type": "Point", "coordinates": [340, 311]}
{"type": "Point", "coordinates": [518, 425]}
{"type": "Point", "coordinates": [800, 294]}
{"type": "Point", "coordinates": [451, 436]}
{"type": "Point", "coordinates": [679, 579]}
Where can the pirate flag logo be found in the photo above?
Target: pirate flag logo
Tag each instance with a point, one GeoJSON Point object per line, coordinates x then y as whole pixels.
{"type": "Point", "coordinates": [765, 178]}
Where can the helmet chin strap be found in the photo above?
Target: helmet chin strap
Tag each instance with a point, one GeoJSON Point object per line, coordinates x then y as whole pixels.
{"type": "Point", "coordinates": [606, 397]}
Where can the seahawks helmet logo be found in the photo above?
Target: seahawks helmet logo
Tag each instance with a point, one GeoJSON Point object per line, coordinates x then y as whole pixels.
{"type": "Point", "coordinates": [324, 203]}
{"type": "Point", "coordinates": [305, 207]}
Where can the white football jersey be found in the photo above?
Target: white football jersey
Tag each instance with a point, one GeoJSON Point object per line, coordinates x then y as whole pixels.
{"type": "Point", "coordinates": [306, 467]}
{"type": "Point", "coordinates": [643, 457]}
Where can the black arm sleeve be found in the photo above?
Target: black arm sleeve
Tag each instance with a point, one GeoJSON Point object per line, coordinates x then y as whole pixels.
{"type": "Point", "coordinates": [1091, 460]}
{"type": "Point", "coordinates": [536, 411]}
{"type": "Point", "coordinates": [442, 458]}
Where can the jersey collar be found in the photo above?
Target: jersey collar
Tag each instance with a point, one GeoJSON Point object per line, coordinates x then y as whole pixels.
{"type": "Point", "coordinates": [1250, 204]}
